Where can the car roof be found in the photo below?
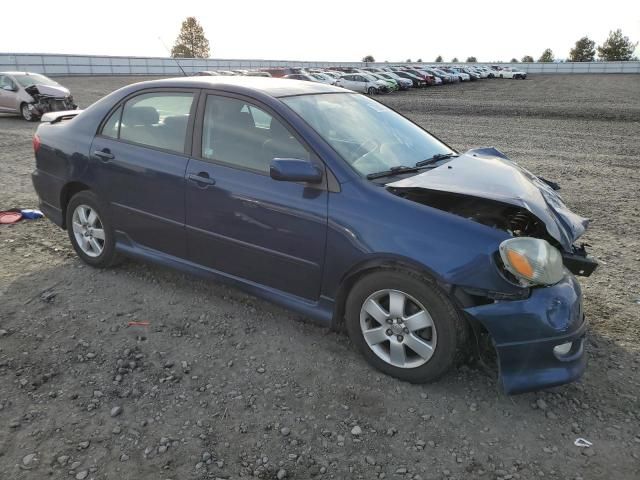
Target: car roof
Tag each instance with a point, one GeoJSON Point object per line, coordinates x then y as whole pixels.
{"type": "Point", "coordinates": [275, 87]}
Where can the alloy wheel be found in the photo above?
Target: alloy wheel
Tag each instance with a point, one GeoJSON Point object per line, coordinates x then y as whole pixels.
{"type": "Point", "coordinates": [26, 113]}
{"type": "Point", "coordinates": [88, 230]}
{"type": "Point", "coordinates": [398, 328]}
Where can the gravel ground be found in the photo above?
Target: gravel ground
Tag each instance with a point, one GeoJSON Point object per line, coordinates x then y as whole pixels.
{"type": "Point", "coordinates": [223, 385]}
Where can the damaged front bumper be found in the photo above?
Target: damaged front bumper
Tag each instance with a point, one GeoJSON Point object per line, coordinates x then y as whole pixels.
{"type": "Point", "coordinates": [49, 99]}
{"type": "Point", "coordinates": [539, 340]}
{"type": "Point", "coordinates": [47, 104]}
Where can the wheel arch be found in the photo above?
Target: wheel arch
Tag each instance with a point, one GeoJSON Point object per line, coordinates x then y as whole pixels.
{"type": "Point", "coordinates": [66, 194]}
{"type": "Point", "coordinates": [369, 265]}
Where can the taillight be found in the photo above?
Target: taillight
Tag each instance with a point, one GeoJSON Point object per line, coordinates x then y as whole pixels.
{"type": "Point", "coordinates": [36, 143]}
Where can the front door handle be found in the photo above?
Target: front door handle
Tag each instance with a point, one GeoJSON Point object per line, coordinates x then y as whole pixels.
{"type": "Point", "coordinates": [201, 178]}
{"type": "Point", "coordinates": [105, 154]}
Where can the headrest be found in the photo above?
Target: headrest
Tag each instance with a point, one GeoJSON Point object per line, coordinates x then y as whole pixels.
{"type": "Point", "coordinates": [279, 131]}
{"type": "Point", "coordinates": [140, 116]}
{"type": "Point", "coordinates": [176, 122]}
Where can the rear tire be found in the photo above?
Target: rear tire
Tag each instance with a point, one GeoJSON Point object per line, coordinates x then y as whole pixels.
{"type": "Point", "coordinates": [416, 339]}
{"type": "Point", "coordinates": [90, 230]}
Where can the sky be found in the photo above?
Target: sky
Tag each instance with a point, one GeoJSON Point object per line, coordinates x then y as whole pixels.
{"type": "Point", "coordinates": [324, 30]}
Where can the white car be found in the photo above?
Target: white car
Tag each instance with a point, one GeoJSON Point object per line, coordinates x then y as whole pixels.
{"type": "Point", "coordinates": [404, 83]}
{"type": "Point", "coordinates": [464, 77]}
{"type": "Point", "coordinates": [479, 71]}
{"type": "Point", "coordinates": [510, 72]}
{"type": "Point", "coordinates": [322, 78]}
{"type": "Point", "coordinates": [360, 82]}
{"type": "Point", "coordinates": [333, 73]}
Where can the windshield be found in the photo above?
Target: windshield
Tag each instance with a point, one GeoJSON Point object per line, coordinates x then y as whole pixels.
{"type": "Point", "coordinates": [27, 80]}
{"type": "Point", "coordinates": [368, 136]}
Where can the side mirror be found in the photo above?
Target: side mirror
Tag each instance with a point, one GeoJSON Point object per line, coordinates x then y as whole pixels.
{"type": "Point", "coordinates": [294, 170]}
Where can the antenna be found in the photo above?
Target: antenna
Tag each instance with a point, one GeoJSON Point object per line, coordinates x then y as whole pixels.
{"type": "Point", "coordinates": [174, 59]}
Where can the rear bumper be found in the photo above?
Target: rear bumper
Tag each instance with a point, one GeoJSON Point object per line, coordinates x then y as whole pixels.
{"type": "Point", "coordinates": [526, 333]}
{"type": "Point", "coordinates": [48, 188]}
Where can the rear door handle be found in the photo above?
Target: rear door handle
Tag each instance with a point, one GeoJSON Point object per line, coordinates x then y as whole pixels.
{"type": "Point", "coordinates": [201, 178]}
{"type": "Point", "coordinates": [104, 155]}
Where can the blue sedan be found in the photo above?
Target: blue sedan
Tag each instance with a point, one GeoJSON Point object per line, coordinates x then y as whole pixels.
{"type": "Point", "coordinates": [333, 205]}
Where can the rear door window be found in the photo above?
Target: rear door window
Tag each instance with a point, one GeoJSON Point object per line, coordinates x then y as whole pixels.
{"type": "Point", "coordinates": [158, 119]}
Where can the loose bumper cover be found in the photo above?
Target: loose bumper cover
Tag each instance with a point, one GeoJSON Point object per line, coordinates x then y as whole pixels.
{"type": "Point", "coordinates": [539, 340]}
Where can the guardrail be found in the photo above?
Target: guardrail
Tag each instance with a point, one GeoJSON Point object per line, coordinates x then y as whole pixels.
{"type": "Point", "coordinates": [69, 65]}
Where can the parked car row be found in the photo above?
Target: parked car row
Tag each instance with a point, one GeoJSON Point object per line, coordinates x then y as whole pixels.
{"type": "Point", "coordinates": [32, 95]}
{"type": "Point", "coordinates": [374, 80]}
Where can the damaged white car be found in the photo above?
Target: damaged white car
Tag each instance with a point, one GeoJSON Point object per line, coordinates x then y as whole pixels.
{"type": "Point", "coordinates": [32, 95]}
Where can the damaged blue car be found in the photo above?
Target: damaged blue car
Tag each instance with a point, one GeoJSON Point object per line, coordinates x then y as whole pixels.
{"type": "Point", "coordinates": [331, 204]}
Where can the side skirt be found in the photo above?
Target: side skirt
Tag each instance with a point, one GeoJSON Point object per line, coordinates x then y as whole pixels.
{"type": "Point", "coordinates": [321, 312]}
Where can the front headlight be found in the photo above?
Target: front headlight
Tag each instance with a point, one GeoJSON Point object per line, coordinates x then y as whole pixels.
{"type": "Point", "coordinates": [532, 260]}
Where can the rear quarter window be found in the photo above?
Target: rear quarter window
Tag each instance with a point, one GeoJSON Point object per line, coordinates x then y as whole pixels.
{"type": "Point", "coordinates": [111, 128]}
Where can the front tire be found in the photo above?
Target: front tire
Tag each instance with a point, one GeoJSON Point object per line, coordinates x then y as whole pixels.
{"type": "Point", "coordinates": [26, 113]}
{"type": "Point", "coordinates": [404, 325]}
{"type": "Point", "coordinates": [90, 230]}
{"type": "Point", "coordinates": [371, 91]}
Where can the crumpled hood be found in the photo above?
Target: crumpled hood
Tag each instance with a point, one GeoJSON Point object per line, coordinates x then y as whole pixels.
{"type": "Point", "coordinates": [488, 173]}
{"type": "Point", "coordinates": [57, 91]}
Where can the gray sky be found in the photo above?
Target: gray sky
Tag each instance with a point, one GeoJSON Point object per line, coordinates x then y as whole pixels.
{"type": "Point", "coordinates": [340, 30]}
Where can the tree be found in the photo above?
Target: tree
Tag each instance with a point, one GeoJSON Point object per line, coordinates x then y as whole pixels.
{"type": "Point", "coordinates": [514, 60]}
{"type": "Point", "coordinates": [584, 51]}
{"type": "Point", "coordinates": [547, 56]}
{"type": "Point", "coordinates": [191, 42]}
{"type": "Point", "coordinates": [368, 59]}
{"type": "Point", "coordinates": [472, 60]}
{"type": "Point", "coordinates": [454, 60]}
{"type": "Point", "coordinates": [617, 47]}
{"type": "Point", "coordinates": [439, 59]}
{"type": "Point", "coordinates": [408, 60]}
{"type": "Point", "coordinates": [527, 59]}
{"type": "Point", "coordinates": [419, 60]}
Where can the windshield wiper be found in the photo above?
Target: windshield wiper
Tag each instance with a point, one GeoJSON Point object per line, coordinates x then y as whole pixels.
{"type": "Point", "coordinates": [416, 168]}
{"type": "Point", "coordinates": [394, 171]}
{"type": "Point", "coordinates": [436, 158]}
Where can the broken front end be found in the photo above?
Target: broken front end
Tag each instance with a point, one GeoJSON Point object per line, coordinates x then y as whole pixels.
{"type": "Point", "coordinates": [49, 99]}
{"type": "Point", "coordinates": [538, 334]}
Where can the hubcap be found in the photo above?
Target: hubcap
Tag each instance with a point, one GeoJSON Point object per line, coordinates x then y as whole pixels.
{"type": "Point", "coordinates": [88, 230]}
{"type": "Point", "coordinates": [398, 328]}
{"type": "Point", "coordinates": [26, 113]}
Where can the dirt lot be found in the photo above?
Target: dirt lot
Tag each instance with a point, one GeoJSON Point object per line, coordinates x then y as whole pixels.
{"type": "Point", "coordinates": [222, 385]}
